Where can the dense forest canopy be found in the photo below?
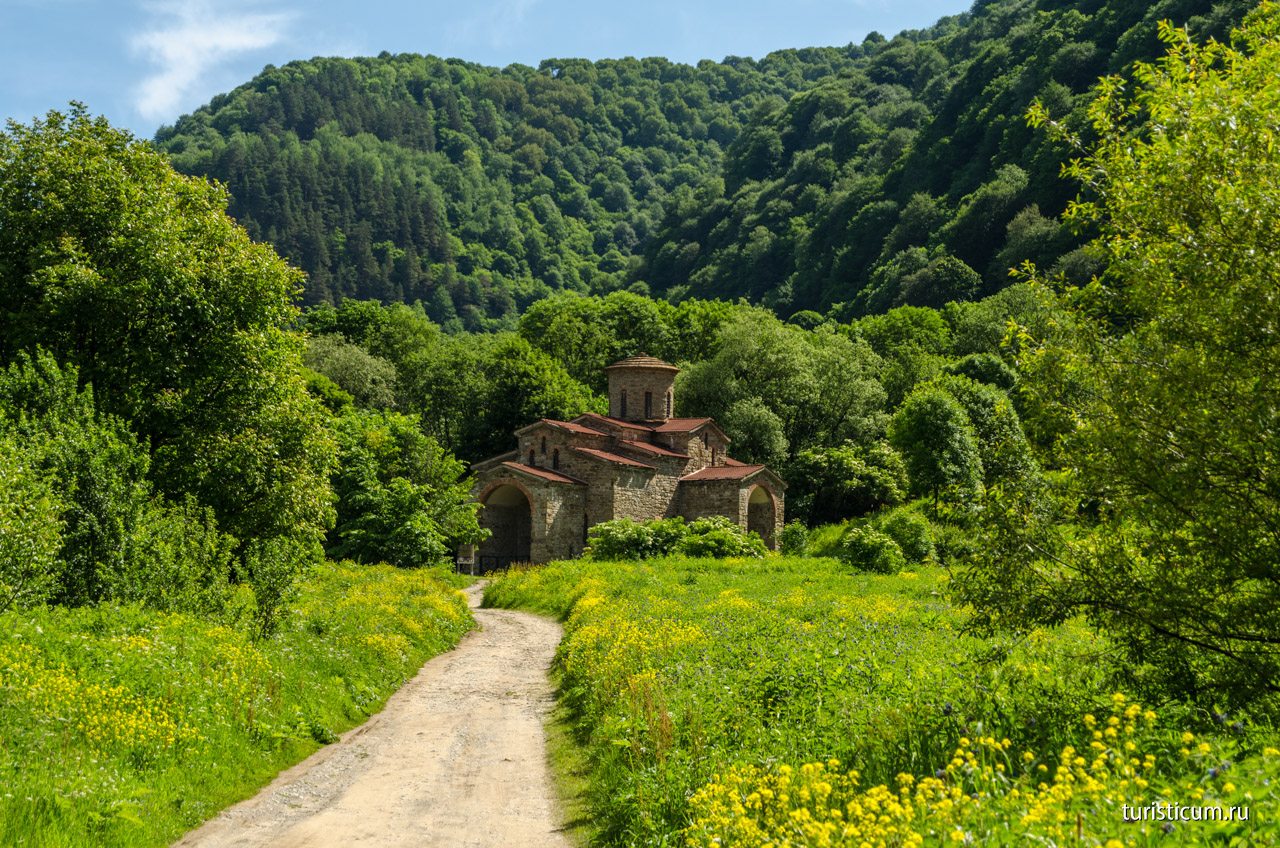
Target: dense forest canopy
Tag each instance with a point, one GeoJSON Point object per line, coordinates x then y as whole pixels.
{"type": "Point", "coordinates": [891, 172]}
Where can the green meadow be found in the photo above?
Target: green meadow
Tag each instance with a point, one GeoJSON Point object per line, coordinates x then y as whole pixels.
{"type": "Point", "coordinates": [785, 701]}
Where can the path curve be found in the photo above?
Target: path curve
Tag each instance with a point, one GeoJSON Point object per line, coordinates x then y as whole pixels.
{"type": "Point", "coordinates": [456, 758]}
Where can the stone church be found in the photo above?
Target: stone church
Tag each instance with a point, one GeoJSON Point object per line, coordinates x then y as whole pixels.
{"type": "Point", "coordinates": [637, 462]}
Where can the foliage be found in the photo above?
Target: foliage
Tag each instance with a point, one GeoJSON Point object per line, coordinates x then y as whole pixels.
{"type": "Point", "coordinates": [114, 537]}
{"type": "Point", "coordinates": [867, 549]}
{"type": "Point", "coordinates": [30, 528]}
{"type": "Point", "coordinates": [1171, 451]}
{"type": "Point", "coordinates": [472, 189]}
{"type": "Point", "coordinates": [912, 533]}
{"type": "Point", "coordinates": [938, 444]}
{"type": "Point", "coordinates": [984, 368]}
{"type": "Point", "coordinates": [719, 537]}
{"type": "Point", "coordinates": [135, 276]}
{"type": "Point", "coordinates": [401, 498]}
{"type": "Point", "coordinates": [370, 380]}
{"type": "Point", "coordinates": [147, 723]}
{"type": "Point", "coordinates": [831, 484]}
{"type": "Point", "coordinates": [1002, 446]}
{"type": "Point", "coordinates": [624, 539]}
{"type": "Point", "coordinates": [817, 387]}
{"type": "Point", "coordinates": [695, 684]}
{"type": "Point", "coordinates": [794, 539]}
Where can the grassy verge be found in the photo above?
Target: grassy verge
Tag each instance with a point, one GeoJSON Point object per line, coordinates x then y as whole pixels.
{"type": "Point", "coordinates": [786, 702]}
{"type": "Point", "coordinates": [120, 726]}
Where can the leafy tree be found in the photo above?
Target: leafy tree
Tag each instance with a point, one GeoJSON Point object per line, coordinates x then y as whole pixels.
{"type": "Point", "coordinates": [1002, 446]}
{"type": "Point", "coordinates": [369, 380]}
{"type": "Point", "coordinates": [935, 438]}
{"type": "Point", "coordinates": [134, 275]}
{"type": "Point", "coordinates": [833, 484]}
{"type": "Point", "coordinates": [401, 497]}
{"type": "Point", "coordinates": [819, 385]}
{"type": "Point", "coordinates": [984, 368]}
{"type": "Point", "coordinates": [1176, 439]}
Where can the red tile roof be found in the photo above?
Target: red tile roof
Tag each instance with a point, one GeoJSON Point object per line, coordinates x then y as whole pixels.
{"type": "Point", "coordinates": [614, 458]}
{"type": "Point", "coordinates": [722, 472]}
{"type": "Point", "coordinates": [680, 425]}
{"type": "Point", "coordinates": [731, 461]}
{"type": "Point", "coordinates": [544, 473]}
{"type": "Point", "coordinates": [617, 422]}
{"type": "Point", "coordinates": [648, 363]}
{"type": "Point", "coordinates": [573, 428]}
{"type": "Point", "coordinates": [658, 449]}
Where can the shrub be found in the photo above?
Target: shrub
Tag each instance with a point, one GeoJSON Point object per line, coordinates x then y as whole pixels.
{"type": "Point", "coordinates": [794, 539]}
{"type": "Point", "coordinates": [719, 537]}
{"type": "Point", "coordinates": [623, 538]}
{"type": "Point", "coordinates": [30, 530]}
{"type": "Point", "coordinates": [867, 549]}
{"type": "Point", "coordinates": [912, 533]}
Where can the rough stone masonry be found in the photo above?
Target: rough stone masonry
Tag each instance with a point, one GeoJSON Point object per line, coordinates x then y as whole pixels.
{"type": "Point", "coordinates": [637, 462]}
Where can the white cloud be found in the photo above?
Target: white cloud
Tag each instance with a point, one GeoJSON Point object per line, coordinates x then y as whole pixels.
{"type": "Point", "coordinates": [194, 38]}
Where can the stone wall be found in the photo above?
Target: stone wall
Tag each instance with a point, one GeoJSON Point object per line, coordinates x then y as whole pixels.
{"type": "Point", "coordinates": [635, 382]}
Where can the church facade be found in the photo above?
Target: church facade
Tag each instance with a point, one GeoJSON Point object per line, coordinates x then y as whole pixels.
{"type": "Point", "coordinates": [637, 462]}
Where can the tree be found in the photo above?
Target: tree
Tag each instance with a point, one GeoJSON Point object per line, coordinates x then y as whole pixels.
{"type": "Point", "coordinates": [936, 440]}
{"type": "Point", "coordinates": [1177, 446]}
{"type": "Point", "coordinates": [135, 275]}
{"type": "Point", "coordinates": [401, 498]}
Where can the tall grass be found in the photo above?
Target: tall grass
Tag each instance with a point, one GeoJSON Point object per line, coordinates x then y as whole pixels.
{"type": "Point", "coordinates": [697, 685]}
{"type": "Point", "coordinates": [121, 726]}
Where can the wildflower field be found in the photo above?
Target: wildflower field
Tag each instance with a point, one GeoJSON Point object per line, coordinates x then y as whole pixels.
{"type": "Point", "coordinates": [121, 726]}
{"type": "Point", "coordinates": [784, 702]}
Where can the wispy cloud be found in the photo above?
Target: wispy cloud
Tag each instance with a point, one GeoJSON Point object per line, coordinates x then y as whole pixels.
{"type": "Point", "coordinates": [191, 38]}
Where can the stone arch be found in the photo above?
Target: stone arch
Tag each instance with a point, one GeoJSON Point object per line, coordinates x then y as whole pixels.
{"type": "Point", "coordinates": [762, 514]}
{"type": "Point", "coordinates": [507, 513]}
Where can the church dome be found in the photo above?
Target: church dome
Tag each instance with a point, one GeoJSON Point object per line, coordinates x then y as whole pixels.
{"type": "Point", "coordinates": [642, 362]}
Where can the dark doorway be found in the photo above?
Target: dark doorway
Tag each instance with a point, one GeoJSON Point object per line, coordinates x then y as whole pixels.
{"type": "Point", "coordinates": [508, 515]}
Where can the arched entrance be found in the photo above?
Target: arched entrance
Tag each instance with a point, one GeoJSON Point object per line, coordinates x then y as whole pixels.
{"type": "Point", "coordinates": [508, 516]}
{"type": "Point", "coordinates": [762, 514]}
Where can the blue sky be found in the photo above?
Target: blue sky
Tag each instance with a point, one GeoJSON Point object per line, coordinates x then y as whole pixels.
{"type": "Point", "coordinates": [142, 63]}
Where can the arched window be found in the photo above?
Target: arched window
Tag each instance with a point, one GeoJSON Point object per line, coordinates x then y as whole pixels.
{"type": "Point", "coordinates": [705, 440]}
{"type": "Point", "coordinates": [648, 405]}
{"type": "Point", "coordinates": [623, 414]}
{"type": "Point", "coordinates": [670, 405]}
{"type": "Point", "coordinates": [555, 458]}
{"type": "Point", "coordinates": [544, 444]}
{"type": "Point", "coordinates": [531, 456]}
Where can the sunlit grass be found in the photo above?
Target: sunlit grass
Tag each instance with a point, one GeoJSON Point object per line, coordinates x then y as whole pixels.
{"type": "Point", "coordinates": [700, 685]}
{"type": "Point", "coordinates": [123, 726]}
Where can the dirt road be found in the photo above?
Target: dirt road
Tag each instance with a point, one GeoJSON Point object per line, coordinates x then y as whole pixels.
{"type": "Point", "coordinates": [456, 758]}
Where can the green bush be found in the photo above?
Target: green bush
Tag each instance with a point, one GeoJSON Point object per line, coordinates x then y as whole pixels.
{"type": "Point", "coordinates": [719, 537]}
{"type": "Point", "coordinates": [912, 533]}
{"type": "Point", "coordinates": [30, 529]}
{"type": "Point", "coordinates": [624, 539]}
{"type": "Point", "coordinates": [867, 549]}
{"type": "Point", "coordinates": [794, 539]}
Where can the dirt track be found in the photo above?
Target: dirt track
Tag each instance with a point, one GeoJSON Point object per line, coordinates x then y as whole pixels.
{"type": "Point", "coordinates": [457, 758]}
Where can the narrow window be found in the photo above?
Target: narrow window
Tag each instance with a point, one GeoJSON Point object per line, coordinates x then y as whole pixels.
{"type": "Point", "coordinates": [531, 456]}
{"type": "Point", "coordinates": [586, 524]}
{"type": "Point", "coordinates": [624, 404]}
{"type": "Point", "coordinates": [544, 444]}
{"type": "Point", "coordinates": [555, 458]}
{"type": "Point", "coordinates": [670, 405]}
{"type": "Point", "coordinates": [705, 442]}
{"type": "Point", "coordinates": [648, 405]}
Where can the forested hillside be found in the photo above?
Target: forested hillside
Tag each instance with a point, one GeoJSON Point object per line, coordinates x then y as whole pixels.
{"type": "Point", "coordinates": [878, 174]}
